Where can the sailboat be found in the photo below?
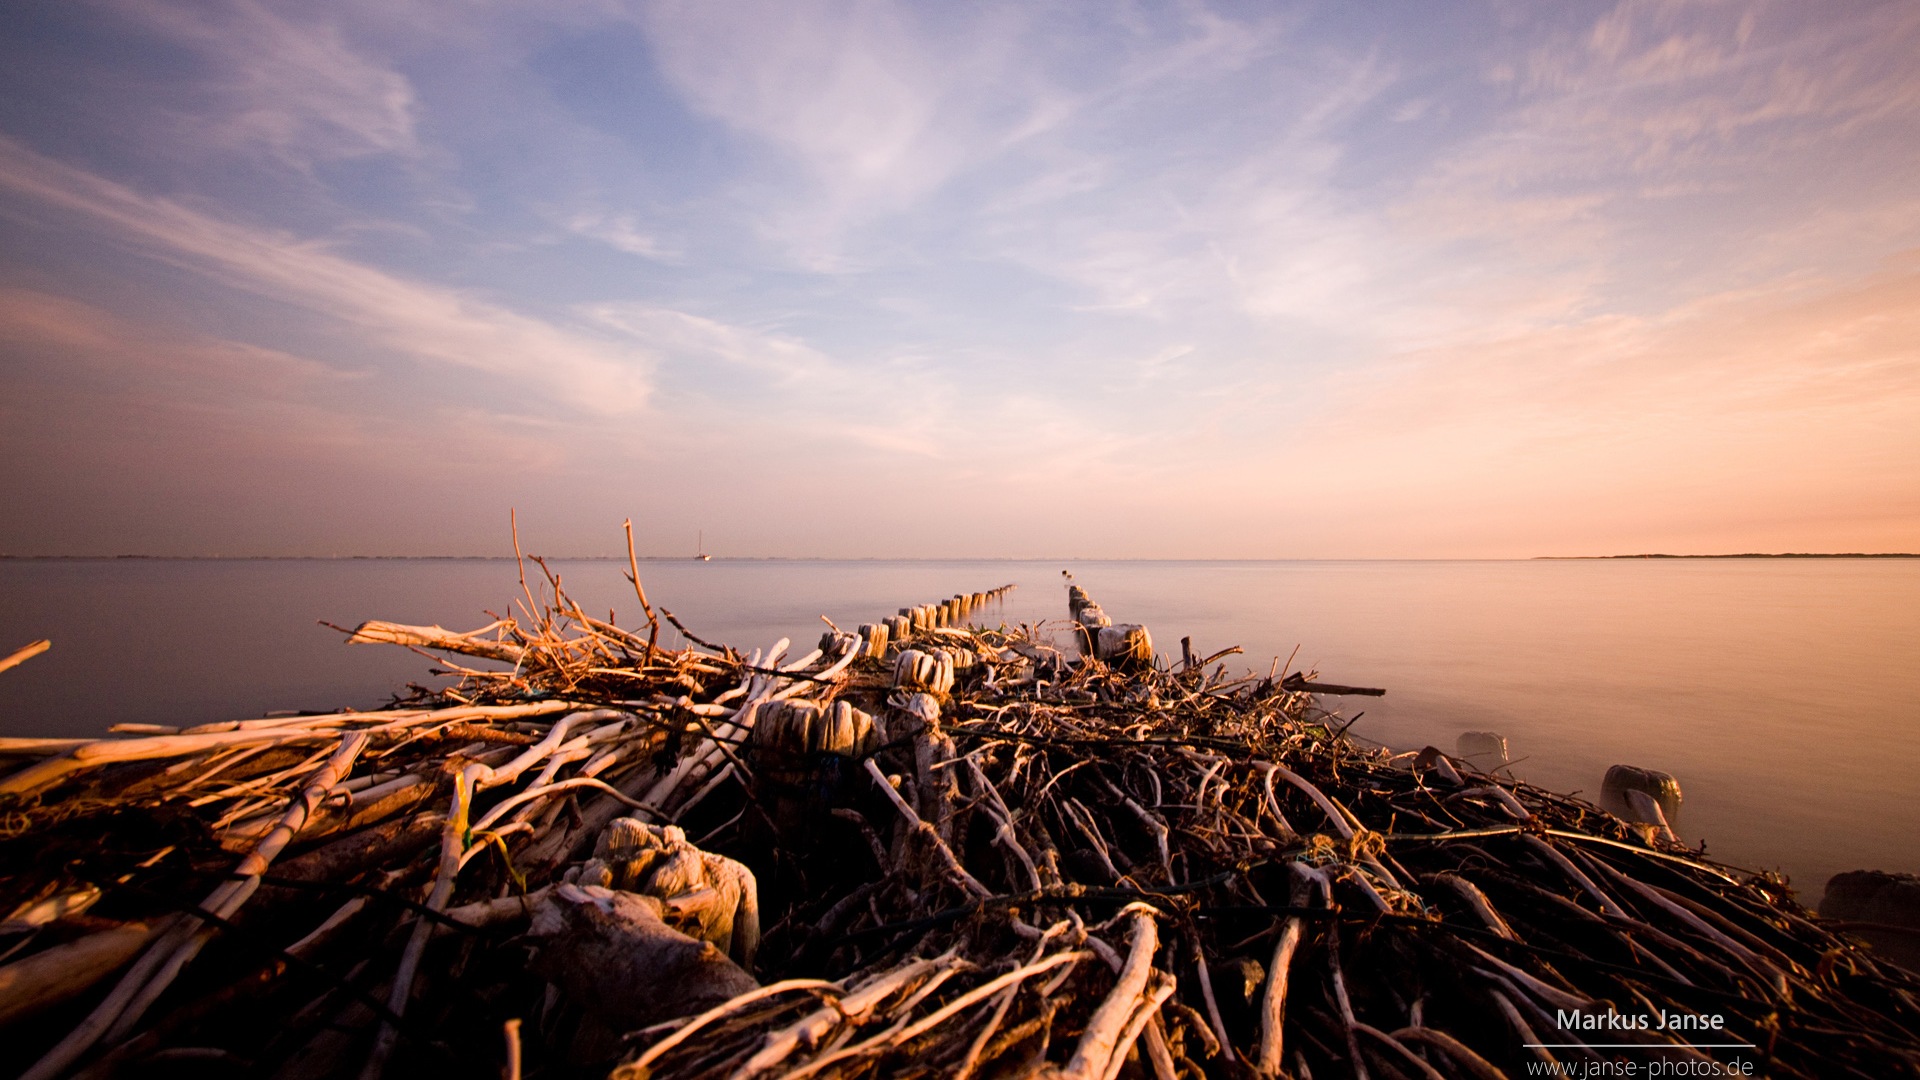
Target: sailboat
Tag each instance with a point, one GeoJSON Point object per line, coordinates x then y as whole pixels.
{"type": "Point", "coordinates": [700, 552]}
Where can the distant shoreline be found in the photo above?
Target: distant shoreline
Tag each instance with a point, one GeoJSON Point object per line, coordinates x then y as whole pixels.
{"type": "Point", "coordinates": [1757, 555]}
{"type": "Point", "coordinates": [10, 557]}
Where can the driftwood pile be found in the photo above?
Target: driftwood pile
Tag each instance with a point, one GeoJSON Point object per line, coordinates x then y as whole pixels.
{"type": "Point", "coordinates": [924, 848]}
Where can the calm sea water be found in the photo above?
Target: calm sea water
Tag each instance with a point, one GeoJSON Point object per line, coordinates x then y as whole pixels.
{"type": "Point", "coordinates": [1785, 694]}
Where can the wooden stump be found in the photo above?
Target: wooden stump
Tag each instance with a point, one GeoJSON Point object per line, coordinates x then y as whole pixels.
{"type": "Point", "coordinates": [1127, 645]}
{"type": "Point", "coordinates": [930, 672]}
{"type": "Point", "coordinates": [792, 730]}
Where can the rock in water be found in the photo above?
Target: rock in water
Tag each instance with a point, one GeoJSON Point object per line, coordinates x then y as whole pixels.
{"type": "Point", "coordinates": [1486, 749]}
{"type": "Point", "coordinates": [1661, 787]}
{"type": "Point", "coordinates": [1890, 900]}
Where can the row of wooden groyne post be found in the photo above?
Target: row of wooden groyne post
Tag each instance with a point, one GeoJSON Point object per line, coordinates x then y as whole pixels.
{"type": "Point", "coordinates": [953, 611]}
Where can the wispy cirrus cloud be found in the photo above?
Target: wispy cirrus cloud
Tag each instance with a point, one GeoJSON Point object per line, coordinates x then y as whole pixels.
{"type": "Point", "coordinates": [622, 232]}
{"type": "Point", "coordinates": [1673, 136]}
{"type": "Point", "coordinates": [291, 84]}
{"type": "Point", "coordinates": [97, 347]}
{"type": "Point", "coordinates": [879, 109]}
{"type": "Point", "coordinates": [422, 322]}
{"type": "Point", "coordinates": [703, 342]}
{"type": "Point", "coordinates": [132, 434]}
{"type": "Point", "coordinates": [870, 103]}
{"type": "Point", "coordinates": [755, 388]}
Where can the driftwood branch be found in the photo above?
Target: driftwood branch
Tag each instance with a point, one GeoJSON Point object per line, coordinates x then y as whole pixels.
{"type": "Point", "coordinates": [1298, 683]}
{"type": "Point", "coordinates": [25, 653]}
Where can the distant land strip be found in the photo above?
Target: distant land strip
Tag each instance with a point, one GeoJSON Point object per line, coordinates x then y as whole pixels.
{"type": "Point", "coordinates": [1757, 555]}
{"type": "Point", "coordinates": [29, 557]}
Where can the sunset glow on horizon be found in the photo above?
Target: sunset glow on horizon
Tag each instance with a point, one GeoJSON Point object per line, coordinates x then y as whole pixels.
{"type": "Point", "coordinates": [861, 279]}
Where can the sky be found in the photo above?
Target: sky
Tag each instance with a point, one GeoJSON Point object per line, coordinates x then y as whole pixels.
{"type": "Point", "coordinates": [867, 279]}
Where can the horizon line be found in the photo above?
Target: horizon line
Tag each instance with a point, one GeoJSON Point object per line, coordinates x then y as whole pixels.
{"type": "Point", "coordinates": [958, 558]}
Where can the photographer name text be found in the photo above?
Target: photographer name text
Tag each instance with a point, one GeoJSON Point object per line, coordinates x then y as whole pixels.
{"type": "Point", "coordinates": [1580, 1020]}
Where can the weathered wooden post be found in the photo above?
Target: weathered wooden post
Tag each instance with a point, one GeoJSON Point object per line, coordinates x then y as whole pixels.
{"type": "Point", "coordinates": [793, 746]}
{"type": "Point", "coordinates": [921, 681]}
{"type": "Point", "coordinates": [928, 672]}
{"type": "Point", "coordinates": [1123, 645]}
{"type": "Point", "coordinates": [788, 732]}
{"type": "Point", "coordinates": [961, 658]}
{"type": "Point", "coordinates": [831, 642]}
